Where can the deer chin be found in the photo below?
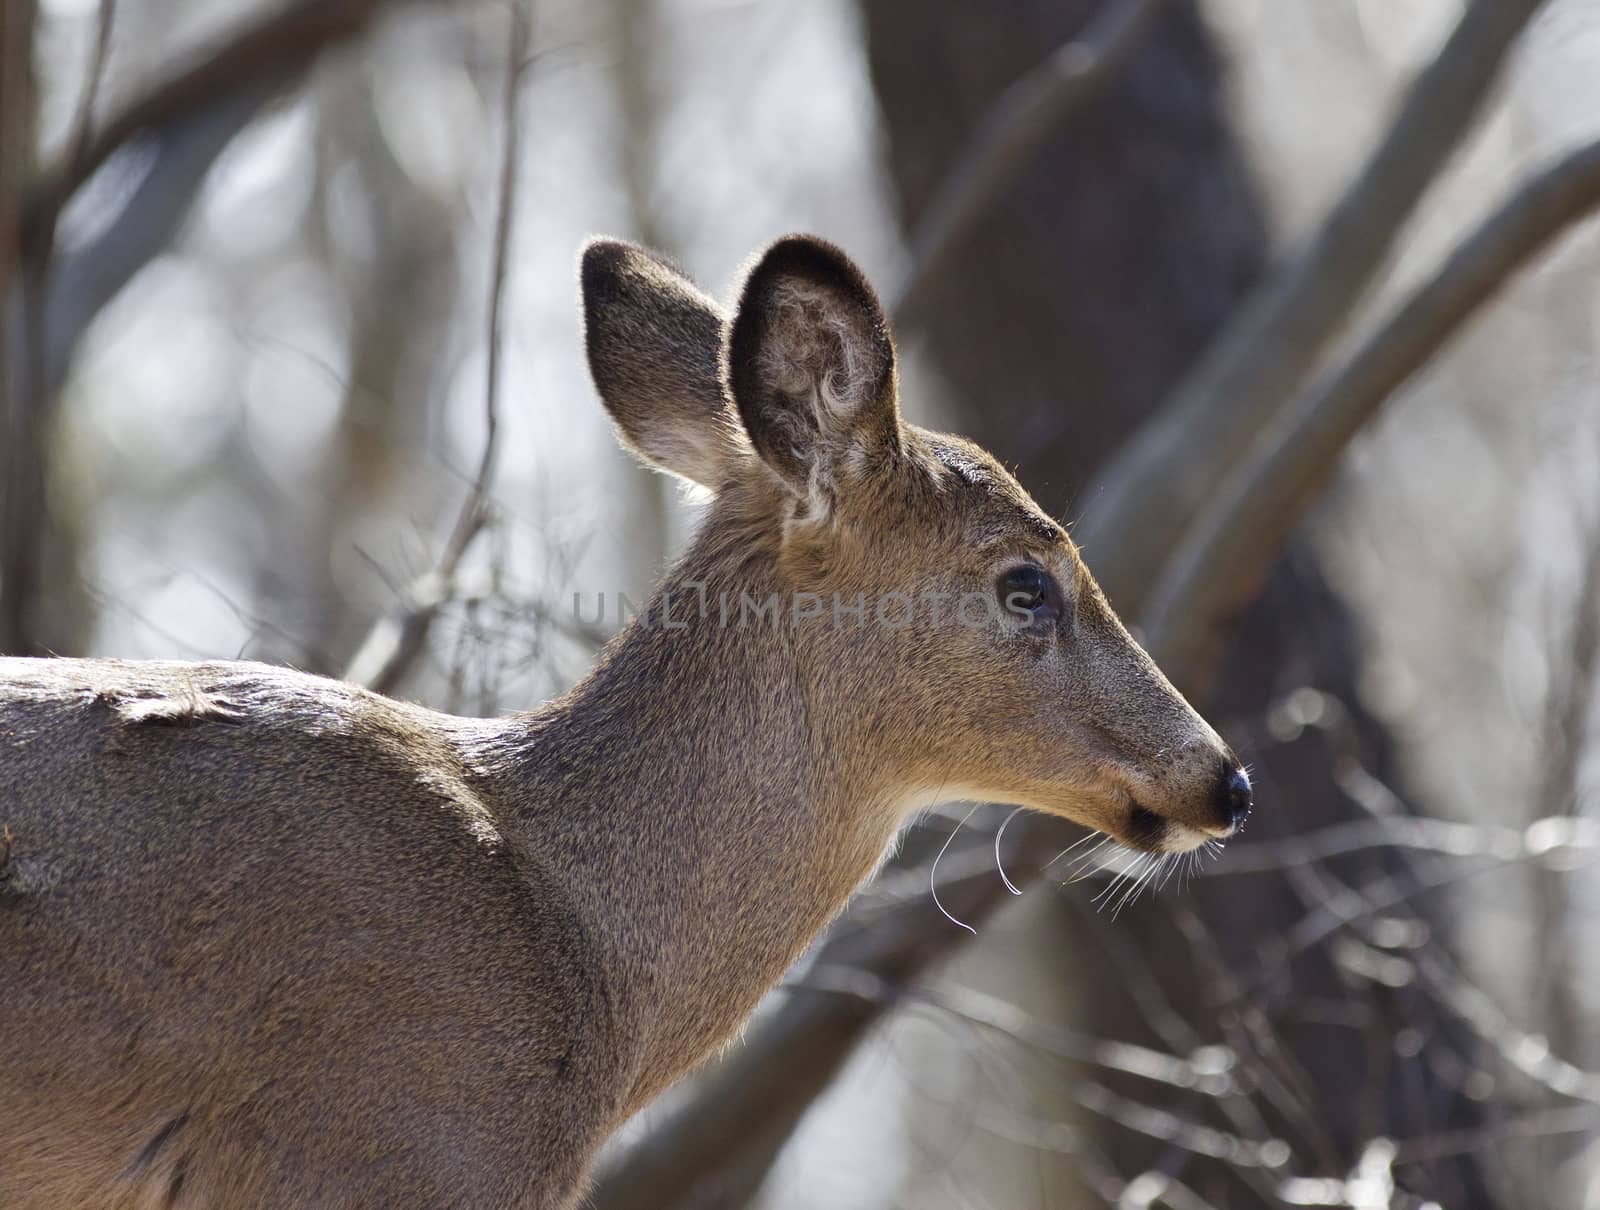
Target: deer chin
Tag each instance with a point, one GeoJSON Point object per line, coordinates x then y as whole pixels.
{"type": "Point", "coordinates": [1149, 832]}
{"type": "Point", "coordinates": [1181, 838]}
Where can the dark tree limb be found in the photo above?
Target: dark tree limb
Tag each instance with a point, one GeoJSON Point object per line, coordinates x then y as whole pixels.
{"type": "Point", "coordinates": [1180, 456]}
{"type": "Point", "coordinates": [1014, 129]}
{"type": "Point", "coordinates": [179, 126]}
{"type": "Point", "coordinates": [1292, 462]}
{"type": "Point", "coordinates": [273, 50]}
{"type": "Point", "coordinates": [81, 281]}
{"type": "Point", "coordinates": [21, 514]}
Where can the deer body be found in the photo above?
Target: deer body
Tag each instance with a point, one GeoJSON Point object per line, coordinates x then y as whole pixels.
{"type": "Point", "coordinates": [270, 939]}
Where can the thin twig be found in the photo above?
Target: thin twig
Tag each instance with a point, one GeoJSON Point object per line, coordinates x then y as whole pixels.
{"type": "Point", "coordinates": [1567, 1119]}
{"type": "Point", "coordinates": [81, 281]}
{"type": "Point", "coordinates": [1522, 1051]}
{"type": "Point", "coordinates": [88, 100]}
{"type": "Point", "coordinates": [393, 644]}
{"type": "Point", "coordinates": [1007, 1020]}
{"type": "Point", "coordinates": [1558, 840]}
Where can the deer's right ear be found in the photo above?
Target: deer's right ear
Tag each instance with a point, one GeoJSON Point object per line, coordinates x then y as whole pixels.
{"type": "Point", "coordinates": [810, 365]}
{"type": "Point", "coordinates": [653, 340]}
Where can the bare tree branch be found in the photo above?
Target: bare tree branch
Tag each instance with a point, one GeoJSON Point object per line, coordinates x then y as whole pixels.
{"type": "Point", "coordinates": [1573, 1119]}
{"type": "Point", "coordinates": [189, 116]}
{"type": "Point", "coordinates": [21, 494]}
{"type": "Point", "coordinates": [1003, 1018]}
{"type": "Point", "coordinates": [274, 49]}
{"type": "Point", "coordinates": [81, 281]}
{"type": "Point", "coordinates": [184, 122]}
{"type": "Point", "coordinates": [88, 101]}
{"type": "Point", "coordinates": [1176, 460]}
{"type": "Point", "coordinates": [1558, 841]}
{"type": "Point", "coordinates": [1563, 745]}
{"type": "Point", "coordinates": [1293, 460]}
{"type": "Point", "coordinates": [1015, 127]}
{"type": "Point", "coordinates": [394, 643]}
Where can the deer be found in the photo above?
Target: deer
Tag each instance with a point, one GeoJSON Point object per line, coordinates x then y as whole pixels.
{"type": "Point", "coordinates": [271, 939]}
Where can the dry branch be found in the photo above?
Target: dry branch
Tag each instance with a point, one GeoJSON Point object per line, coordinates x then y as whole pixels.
{"type": "Point", "coordinates": [1293, 460]}
{"type": "Point", "coordinates": [275, 48]}
{"type": "Point", "coordinates": [80, 282]}
{"type": "Point", "coordinates": [184, 120]}
{"type": "Point", "coordinates": [394, 643]}
{"type": "Point", "coordinates": [188, 116]}
{"type": "Point", "coordinates": [1136, 507]}
{"type": "Point", "coordinates": [88, 101]}
{"type": "Point", "coordinates": [21, 499]}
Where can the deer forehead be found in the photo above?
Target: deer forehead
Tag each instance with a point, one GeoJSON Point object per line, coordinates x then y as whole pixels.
{"type": "Point", "coordinates": [994, 510]}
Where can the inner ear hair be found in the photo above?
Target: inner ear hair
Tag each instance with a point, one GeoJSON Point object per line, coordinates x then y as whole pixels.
{"type": "Point", "coordinates": [809, 361]}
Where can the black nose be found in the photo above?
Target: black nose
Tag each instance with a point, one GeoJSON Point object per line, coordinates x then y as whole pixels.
{"type": "Point", "coordinates": [1233, 797]}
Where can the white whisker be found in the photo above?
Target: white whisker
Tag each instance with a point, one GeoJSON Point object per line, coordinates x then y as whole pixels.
{"type": "Point", "coordinates": [1001, 831]}
{"type": "Point", "coordinates": [1131, 895]}
{"type": "Point", "coordinates": [933, 886]}
{"type": "Point", "coordinates": [1104, 897]}
{"type": "Point", "coordinates": [1089, 863]}
{"type": "Point", "coordinates": [1171, 864]}
{"type": "Point", "coordinates": [1131, 892]}
{"type": "Point", "coordinates": [1080, 841]}
{"type": "Point", "coordinates": [1127, 889]}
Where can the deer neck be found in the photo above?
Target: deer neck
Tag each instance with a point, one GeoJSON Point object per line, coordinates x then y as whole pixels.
{"type": "Point", "coordinates": [703, 812]}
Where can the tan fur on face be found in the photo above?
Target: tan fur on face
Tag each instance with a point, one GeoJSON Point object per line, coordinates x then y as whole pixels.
{"type": "Point", "coordinates": [1082, 724]}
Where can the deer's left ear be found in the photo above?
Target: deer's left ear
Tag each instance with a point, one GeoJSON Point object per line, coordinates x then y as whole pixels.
{"type": "Point", "coordinates": [654, 344]}
{"type": "Point", "coordinates": [810, 365]}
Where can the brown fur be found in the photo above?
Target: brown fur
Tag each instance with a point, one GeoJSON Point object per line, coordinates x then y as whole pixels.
{"type": "Point", "coordinates": [269, 939]}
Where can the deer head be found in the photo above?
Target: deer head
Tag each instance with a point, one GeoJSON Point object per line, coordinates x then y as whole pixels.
{"type": "Point", "coordinates": [945, 638]}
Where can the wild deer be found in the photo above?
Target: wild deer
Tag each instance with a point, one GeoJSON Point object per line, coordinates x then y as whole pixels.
{"type": "Point", "coordinates": [268, 939]}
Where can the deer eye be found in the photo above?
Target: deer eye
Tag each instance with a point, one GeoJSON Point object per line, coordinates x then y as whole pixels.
{"type": "Point", "coordinates": [1028, 592]}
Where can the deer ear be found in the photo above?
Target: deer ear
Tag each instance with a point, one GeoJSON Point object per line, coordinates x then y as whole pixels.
{"type": "Point", "coordinates": [810, 365]}
{"type": "Point", "coordinates": [653, 341]}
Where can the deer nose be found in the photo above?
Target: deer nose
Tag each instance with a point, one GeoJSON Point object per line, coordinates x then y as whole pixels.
{"type": "Point", "coordinates": [1233, 798]}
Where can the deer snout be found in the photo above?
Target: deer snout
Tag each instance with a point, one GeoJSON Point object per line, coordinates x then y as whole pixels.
{"type": "Point", "coordinates": [1233, 798]}
{"type": "Point", "coordinates": [1210, 802]}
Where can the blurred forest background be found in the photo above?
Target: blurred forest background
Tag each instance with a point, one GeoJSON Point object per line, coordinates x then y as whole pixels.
{"type": "Point", "coordinates": [292, 371]}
